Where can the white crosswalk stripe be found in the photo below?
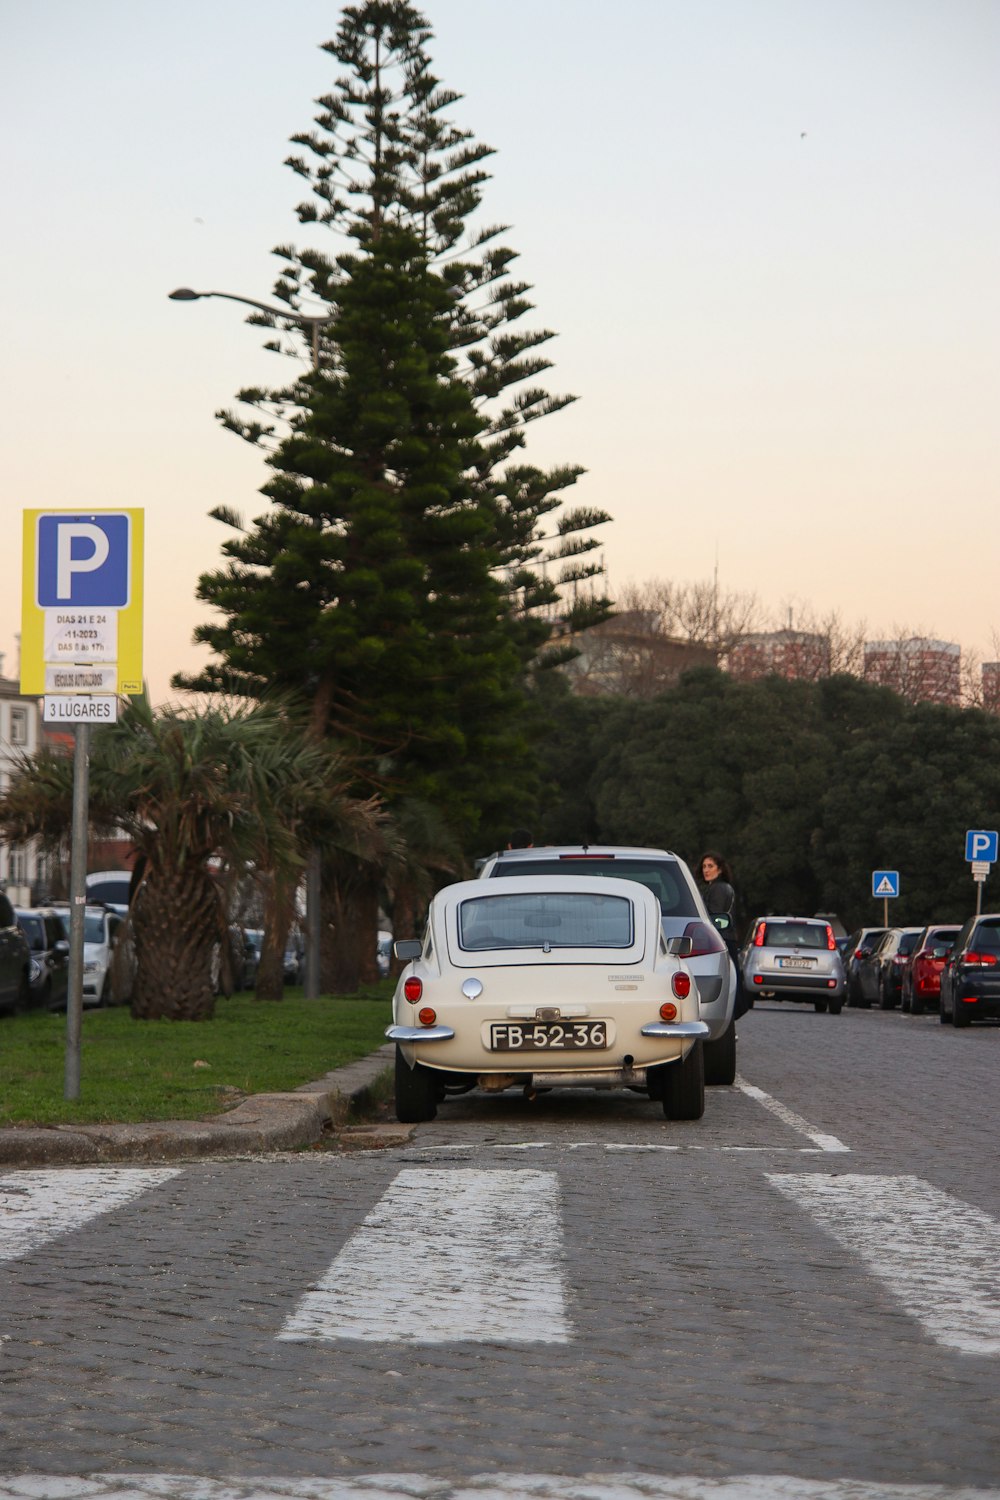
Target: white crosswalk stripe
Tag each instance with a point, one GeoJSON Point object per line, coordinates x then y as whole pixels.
{"type": "Point", "coordinates": [447, 1256]}
{"type": "Point", "coordinates": [39, 1206]}
{"type": "Point", "coordinates": [936, 1255]}
{"type": "Point", "coordinates": [479, 1487]}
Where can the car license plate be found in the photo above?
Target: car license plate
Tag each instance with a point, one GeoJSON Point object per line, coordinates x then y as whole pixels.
{"type": "Point", "coordinates": [548, 1036]}
{"type": "Point", "coordinates": [796, 963]}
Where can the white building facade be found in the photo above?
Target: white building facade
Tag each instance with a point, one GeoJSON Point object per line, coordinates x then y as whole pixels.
{"type": "Point", "coordinates": [24, 873]}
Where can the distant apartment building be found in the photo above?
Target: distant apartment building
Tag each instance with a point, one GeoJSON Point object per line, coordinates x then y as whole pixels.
{"type": "Point", "coordinates": [920, 670]}
{"type": "Point", "coordinates": [780, 653]}
{"type": "Point", "coordinates": [631, 657]}
{"type": "Point", "coordinates": [990, 681]}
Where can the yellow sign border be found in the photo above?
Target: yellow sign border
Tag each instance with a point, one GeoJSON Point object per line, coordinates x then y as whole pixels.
{"type": "Point", "coordinates": [129, 666]}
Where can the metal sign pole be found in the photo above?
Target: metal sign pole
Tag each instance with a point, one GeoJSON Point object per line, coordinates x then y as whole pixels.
{"type": "Point", "coordinates": [77, 903]}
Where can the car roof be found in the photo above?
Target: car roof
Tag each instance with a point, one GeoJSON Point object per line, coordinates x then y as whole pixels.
{"type": "Point", "coordinates": [594, 851]}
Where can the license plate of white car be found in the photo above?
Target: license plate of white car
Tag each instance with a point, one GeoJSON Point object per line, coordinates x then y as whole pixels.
{"type": "Point", "coordinates": [796, 963]}
{"type": "Point", "coordinates": [548, 1036]}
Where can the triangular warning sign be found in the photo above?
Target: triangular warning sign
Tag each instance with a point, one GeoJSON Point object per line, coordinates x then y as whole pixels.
{"type": "Point", "coordinates": [885, 887]}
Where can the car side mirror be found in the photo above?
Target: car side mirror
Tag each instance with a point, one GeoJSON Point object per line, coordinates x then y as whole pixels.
{"type": "Point", "coordinates": [61, 947]}
{"type": "Point", "coordinates": [407, 948]}
{"type": "Point", "coordinates": [723, 921]}
{"type": "Point", "coordinates": [680, 947]}
{"type": "Point", "coordinates": [939, 952]}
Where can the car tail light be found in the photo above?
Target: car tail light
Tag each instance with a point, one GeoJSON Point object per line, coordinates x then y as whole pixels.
{"type": "Point", "coordinates": [831, 941]}
{"type": "Point", "coordinates": [979, 960]}
{"type": "Point", "coordinates": [704, 939]}
{"type": "Point", "coordinates": [758, 979]}
{"type": "Point", "coordinates": [758, 941]}
{"type": "Point", "coordinates": [426, 1016]}
{"type": "Point", "coordinates": [899, 958]}
{"type": "Point", "coordinates": [668, 1011]}
{"type": "Point", "coordinates": [413, 988]}
{"type": "Point", "coordinates": [681, 984]}
{"type": "Point", "coordinates": [831, 984]}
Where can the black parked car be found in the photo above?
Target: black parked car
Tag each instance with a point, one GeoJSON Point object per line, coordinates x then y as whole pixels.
{"type": "Point", "coordinates": [892, 957]}
{"type": "Point", "coordinates": [49, 966]}
{"type": "Point", "coordinates": [970, 979]}
{"type": "Point", "coordinates": [15, 961]}
{"type": "Point", "coordinates": [860, 945]}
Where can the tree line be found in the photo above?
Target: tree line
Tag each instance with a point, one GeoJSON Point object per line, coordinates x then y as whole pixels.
{"type": "Point", "coordinates": [807, 787]}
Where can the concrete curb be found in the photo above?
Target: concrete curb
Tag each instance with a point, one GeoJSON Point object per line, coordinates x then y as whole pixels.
{"type": "Point", "coordinates": [265, 1122]}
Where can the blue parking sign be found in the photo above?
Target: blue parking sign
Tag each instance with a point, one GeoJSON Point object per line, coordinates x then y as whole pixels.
{"type": "Point", "coordinates": [981, 844]}
{"type": "Point", "coordinates": [83, 561]}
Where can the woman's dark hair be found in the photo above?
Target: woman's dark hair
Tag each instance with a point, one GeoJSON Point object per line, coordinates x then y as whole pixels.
{"type": "Point", "coordinates": [725, 869]}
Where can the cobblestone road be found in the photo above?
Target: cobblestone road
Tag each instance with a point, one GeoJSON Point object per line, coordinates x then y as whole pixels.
{"type": "Point", "coordinates": [717, 1329]}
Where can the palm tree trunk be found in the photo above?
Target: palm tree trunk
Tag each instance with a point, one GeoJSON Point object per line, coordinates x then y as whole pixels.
{"type": "Point", "coordinates": [176, 920]}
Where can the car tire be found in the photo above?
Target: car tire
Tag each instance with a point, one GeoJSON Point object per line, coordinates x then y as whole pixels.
{"type": "Point", "coordinates": [684, 1086]}
{"type": "Point", "coordinates": [904, 1002]}
{"type": "Point", "coordinates": [885, 1002]}
{"type": "Point", "coordinates": [916, 1006]}
{"type": "Point", "coordinates": [416, 1092]}
{"type": "Point", "coordinates": [943, 1016]}
{"type": "Point", "coordinates": [820, 1006]}
{"type": "Point", "coordinates": [24, 992]}
{"type": "Point", "coordinates": [836, 1006]}
{"type": "Point", "coordinates": [720, 1057]}
{"type": "Point", "coordinates": [959, 1017]}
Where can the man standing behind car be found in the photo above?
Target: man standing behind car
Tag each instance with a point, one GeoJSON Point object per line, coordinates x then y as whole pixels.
{"type": "Point", "coordinates": [715, 882]}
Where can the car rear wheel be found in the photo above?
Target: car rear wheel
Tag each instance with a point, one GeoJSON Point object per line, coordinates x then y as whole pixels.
{"type": "Point", "coordinates": [916, 1006]}
{"type": "Point", "coordinates": [836, 1006]}
{"type": "Point", "coordinates": [885, 1000]}
{"type": "Point", "coordinates": [684, 1086]}
{"type": "Point", "coordinates": [416, 1092]}
{"type": "Point", "coordinates": [959, 1016]}
{"type": "Point", "coordinates": [820, 1006]}
{"type": "Point", "coordinates": [720, 1057]}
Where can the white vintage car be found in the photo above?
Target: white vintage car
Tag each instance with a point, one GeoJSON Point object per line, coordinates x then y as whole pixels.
{"type": "Point", "coordinates": [542, 982]}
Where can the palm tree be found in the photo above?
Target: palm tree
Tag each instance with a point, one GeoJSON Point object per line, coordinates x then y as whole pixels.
{"type": "Point", "coordinates": [199, 794]}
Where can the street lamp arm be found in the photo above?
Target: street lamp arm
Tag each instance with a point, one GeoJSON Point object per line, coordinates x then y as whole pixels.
{"type": "Point", "coordinates": [185, 294]}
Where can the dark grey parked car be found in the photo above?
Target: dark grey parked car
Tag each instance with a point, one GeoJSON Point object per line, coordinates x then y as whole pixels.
{"type": "Point", "coordinates": [15, 961]}
{"type": "Point", "coordinates": [49, 967]}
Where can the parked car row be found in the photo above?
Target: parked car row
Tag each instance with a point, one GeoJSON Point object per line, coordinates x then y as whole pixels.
{"type": "Point", "coordinates": [942, 966]}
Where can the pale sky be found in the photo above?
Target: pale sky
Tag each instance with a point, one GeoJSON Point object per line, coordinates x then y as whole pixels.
{"type": "Point", "coordinates": [767, 233]}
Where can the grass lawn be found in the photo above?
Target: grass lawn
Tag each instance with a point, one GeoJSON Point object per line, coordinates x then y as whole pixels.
{"type": "Point", "coordinates": [179, 1070]}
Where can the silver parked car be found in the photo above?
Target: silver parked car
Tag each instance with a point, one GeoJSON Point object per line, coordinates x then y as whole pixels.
{"type": "Point", "coordinates": [682, 913]}
{"type": "Point", "coordinates": [794, 958]}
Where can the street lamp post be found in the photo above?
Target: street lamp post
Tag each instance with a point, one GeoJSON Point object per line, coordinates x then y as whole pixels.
{"type": "Point", "coordinates": [314, 862]}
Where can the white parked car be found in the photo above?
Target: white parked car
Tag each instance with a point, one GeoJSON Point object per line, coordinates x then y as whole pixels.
{"type": "Point", "coordinates": [101, 927]}
{"type": "Point", "coordinates": [682, 912]}
{"type": "Point", "coordinates": [544, 982]}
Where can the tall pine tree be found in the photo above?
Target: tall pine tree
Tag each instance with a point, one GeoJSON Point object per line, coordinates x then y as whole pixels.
{"type": "Point", "coordinates": [409, 566]}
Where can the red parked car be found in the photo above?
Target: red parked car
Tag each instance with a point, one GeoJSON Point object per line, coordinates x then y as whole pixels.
{"type": "Point", "coordinates": [922, 976]}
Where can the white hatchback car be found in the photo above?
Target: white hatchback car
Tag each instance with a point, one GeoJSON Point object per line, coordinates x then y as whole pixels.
{"type": "Point", "coordinates": [682, 912]}
{"type": "Point", "coordinates": [544, 982]}
{"type": "Point", "coordinates": [101, 927]}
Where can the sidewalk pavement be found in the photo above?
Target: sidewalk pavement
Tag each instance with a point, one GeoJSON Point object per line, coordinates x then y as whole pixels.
{"type": "Point", "coordinates": [264, 1122]}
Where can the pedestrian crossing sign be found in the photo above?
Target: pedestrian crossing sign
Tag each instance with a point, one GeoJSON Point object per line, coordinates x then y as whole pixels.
{"type": "Point", "coordinates": [885, 883]}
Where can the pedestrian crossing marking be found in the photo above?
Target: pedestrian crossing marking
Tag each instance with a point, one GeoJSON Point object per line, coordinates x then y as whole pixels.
{"type": "Point", "coordinates": [937, 1255]}
{"type": "Point", "coordinates": [492, 1486]}
{"type": "Point", "coordinates": [39, 1206]}
{"type": "Point", "coordinates": [447, 1256]}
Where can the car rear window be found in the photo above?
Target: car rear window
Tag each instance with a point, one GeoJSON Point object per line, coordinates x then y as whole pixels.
{"type": "Point", "coordinates": [34, 931]}
{"type": "Point", "coordinates": [660, 876]}
{"type": "Point", "coordinates": [794, 935]}
{"type": "Point", "coordinates": [988, 936]}
{"type": "Point", "coordinates": [908, 942]}
{"type": "Point", "coordinates": [571, 919]}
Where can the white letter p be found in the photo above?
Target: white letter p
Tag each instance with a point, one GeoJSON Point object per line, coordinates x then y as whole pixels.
{"type": "Point", "coordinates": [67, 565]}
